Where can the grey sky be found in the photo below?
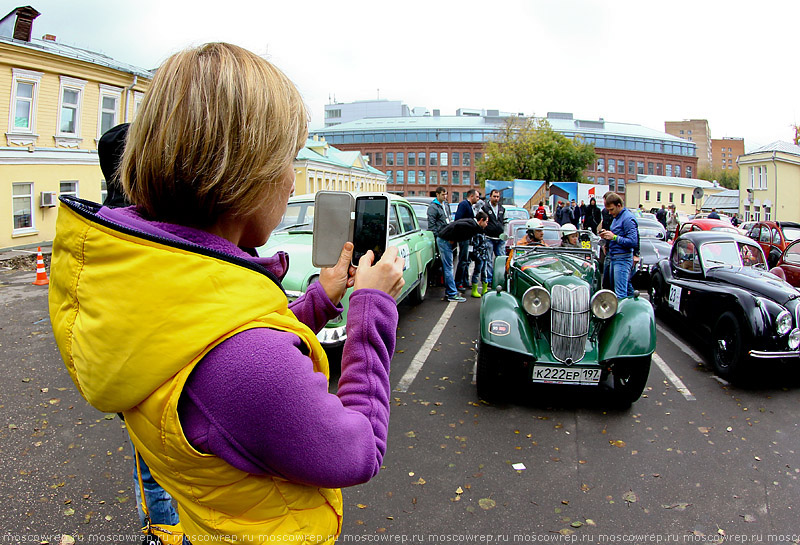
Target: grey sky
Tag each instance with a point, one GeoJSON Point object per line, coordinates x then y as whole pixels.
{"type": "Point", "coordinates": [637, 61]}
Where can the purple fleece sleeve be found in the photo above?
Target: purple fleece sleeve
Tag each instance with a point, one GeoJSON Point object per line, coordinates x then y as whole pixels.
{"type": "Point", "coordinates": [314, 308]}
{"type": "Point", "coordinates": [256, 402]}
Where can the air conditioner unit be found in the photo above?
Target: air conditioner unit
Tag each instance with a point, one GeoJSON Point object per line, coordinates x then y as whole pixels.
{"type": "Point", "coordinates": [48, 199]}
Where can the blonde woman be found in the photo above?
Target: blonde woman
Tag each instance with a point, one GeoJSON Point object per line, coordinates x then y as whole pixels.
{"type": "Point", "coordinates": [163, 311]}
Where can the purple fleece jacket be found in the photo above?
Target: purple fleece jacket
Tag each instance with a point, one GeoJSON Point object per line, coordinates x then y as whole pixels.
{"type": "Point", "coordinates": [255, 400]}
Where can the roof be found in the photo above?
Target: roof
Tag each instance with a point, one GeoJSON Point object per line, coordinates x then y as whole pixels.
{"type": "Point", "coordinates": [724, 200]}
{"type": "Point", "coordinates": [672, 180]}
{"type": "Point", "coordinates": [710, 236]}
{"type": "Point", "coordinates": [333, 156]}
{"type": "Point", "coordinates": [778, 145]}
{"type": "Point", "coordinates": [72, 52]}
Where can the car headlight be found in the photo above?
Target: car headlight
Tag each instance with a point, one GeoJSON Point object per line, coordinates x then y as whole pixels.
{"type": "Point", "coordinates": [783, 323]}
{"type": "Point", "coordinates": [794, 339]}
{"type": "Point", "coordinates": [604, 304]}
{"type": "Point", "coordinates": [536, 301]}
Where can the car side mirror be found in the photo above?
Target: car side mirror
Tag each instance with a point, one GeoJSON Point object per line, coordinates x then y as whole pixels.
{"type": "Point", "coordinates": [503, 237]}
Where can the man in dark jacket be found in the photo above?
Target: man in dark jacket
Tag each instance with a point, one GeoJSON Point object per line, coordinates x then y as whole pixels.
{"type": "Point", "coordinates": [465, 211]}
{"type": "Point", "coordinates": [661, 216]}
{"type": "Point", "coordinates": [575, 214]}
{"type": "Point", "coordinates": [495, 228]}
{"type": "Point", "coordinates": [438, 219]}
{"type": "Point", "coordinates": [465, 228]}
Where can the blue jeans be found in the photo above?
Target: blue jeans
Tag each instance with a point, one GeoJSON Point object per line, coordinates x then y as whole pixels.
{"type": "Point", "coordinates": [480, 271]}
{"type": "Point", "coordinates": [462, 270]}
{"type": "Point", "coordinates": [620, 267]}
{"type": "Point", "coordinates": [446, 255]}
{"type": "Point", "coordinates": [498, 249]}
{"type": "Point", "coordinates": [159, 502]}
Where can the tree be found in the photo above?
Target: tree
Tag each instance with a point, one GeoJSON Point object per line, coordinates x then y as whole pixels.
{"type": "Point", "coordinates": [530, 149]}
{"type": "Point", "coordinates": [726, 178]}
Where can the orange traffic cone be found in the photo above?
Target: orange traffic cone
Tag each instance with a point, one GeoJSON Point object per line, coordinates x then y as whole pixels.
{"type": "Point", "coordinates": [41, 272]}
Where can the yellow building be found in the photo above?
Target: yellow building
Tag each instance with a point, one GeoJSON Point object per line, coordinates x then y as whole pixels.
{"type": "Point", "coordinates": [320, 166]}
{"type": "Point", "coordinates": [60, 99]}
{"type": "Point", "coordinates": [769, 183]}
{"type": "Point", "coordinates": [654, 191]}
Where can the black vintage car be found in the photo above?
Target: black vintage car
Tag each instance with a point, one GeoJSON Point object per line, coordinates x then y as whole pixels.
{"type": "Point", "coordinates": [653, 247]}
{"type": "Point", "coordinates": [718, 283]}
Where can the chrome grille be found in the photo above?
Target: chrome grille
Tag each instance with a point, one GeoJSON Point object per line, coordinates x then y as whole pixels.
{"type": "Point", "coordinates": [569, 322]}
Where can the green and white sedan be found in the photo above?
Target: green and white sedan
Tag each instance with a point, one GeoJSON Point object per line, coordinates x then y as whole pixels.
{"type": "Point", "coordinates": [294, 236]}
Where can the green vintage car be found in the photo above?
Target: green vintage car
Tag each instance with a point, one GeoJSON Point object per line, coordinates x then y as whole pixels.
{"type": "Point", "coordinates": [294, 235]}
{"type": "Point", "coordinates": [548, 321]}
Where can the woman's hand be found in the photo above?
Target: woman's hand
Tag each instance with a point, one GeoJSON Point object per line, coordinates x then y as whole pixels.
{"type": "Point", "coordinates": [386, 275]}
{"type": "Point", "coordinates": [335, 280]}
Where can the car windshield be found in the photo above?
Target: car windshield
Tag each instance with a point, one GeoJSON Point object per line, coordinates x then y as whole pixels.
{"type": "Point", "coordinates": [752, 255]}
{"type": "Point", "coordinates": [298, 214]}
{"type": "Point", "coordinates": [791, 233]}
{"type": "Point", "coordinates": [726, 230]}
{"type": "Point", "coordinates": [720, 254]}
{"type": "Point", "coordinates": [517, 214]}
{"type": "Point", "coordinates": [651, 232]}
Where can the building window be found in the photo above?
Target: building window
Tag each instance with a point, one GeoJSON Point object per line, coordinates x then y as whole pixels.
{"type": "Point", "coordinates": [612, 166]}
{"type": "Point", "coordinates": [752, 178]}
{"type": "Point", "coordinates": [444, 178]}
{"type": "Point", "coordinates": [412, 176]}
{"type": "Point", "coordinates": [669, 169]}
{"type": "Point", "coordinates": [369, 158]}
{"type": "Point", "coordinates": [378, 158]}
{"type": "Point", "coordinates": [683, 198]}
{"type": "Point", "coordinates": [389, 158]}
{"type": "Point", "coordinates": [678, 171]}
{"type": "Point", "coordinates": [433, 177]}
{"type": "Point", "coordinates": [434, 159]}
{"type": "Point", "coordinates": [601, 165]}
{"type": "Point", "coordinates": [454, 196]}
{"type": "Point", "coordinates": [689, 172]}
{"type": "Point", "coordinates": [465, 177]}
{"type": "Point", "coordinates": [68, 188]}
{"type": "Point", "coordinates": [421, 159]}
{"type": "Point", "coordinates": [421, 177]}
{"type": "Point", "coordinates": [22, 204]}
{"type": "Point", "coordinates": [658, 196]}
{"type": "Point", "coordinates": [69, 117]}
{"type": "Point", "coordinates": [647, 195]}
{"type": "Point", "coordinates": [650, 168]}
{"type": "Point", "coordinates": [621, 166]}
{"type": "Point", "coordinates": [756, 213]}
{"type": "Point", "coordinates": [400, 176]}
{"type": "Point", "coordinates": [24, 96]}
{"type": "Point", "coordinates": [455, 178]}
{"type": "Point", "coordinates": [401, 158]}
{"type": "Point", "coordinates": [443, 158]}
{"type": "Point", "coordinates": [332, 113]}
{"type": "Point", "coordinates": [690, 132]}
{"type": "Point", "coordinates": [768, 214]}
{"type": "Point", "coordinates": [763, 177]}
{"type": "Point", "coordinates": [621, 185]}
{"type": "Point", "coordinates": [640, 167]}
{"type": "Point", "coordinates": [465, 158]}
{"type": "Point", "coordinates": [137, 102]}
{"type": "Point", "coordinates": [109, 108]}
{"type": "Point", "coordinates": [601, 180]}
{"type": "Point", "coordinates": [455, 159]}
{"type": "Point", "coordinates": [478, 157]}
{"type": "Point", "coordinates": [659, 169]}
{"type": "Point", "coordinates": [103, 190]}
{"type": "Point", "coordinates": [412, 159]}
{"type": "Point", "coordinates": [389, 177]}
{"type": "Point", "coordinates": [611, 184]}
{"type": "Point", "coordinates": [693, 198]}
{"type": "Point", "coordinates": [671, 197]}
{"type": "Point", "coordinates": [631, 167]}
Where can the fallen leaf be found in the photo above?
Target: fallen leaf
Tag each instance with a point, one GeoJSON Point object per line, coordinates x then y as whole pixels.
{"type": "Point", "coordinates": [69, 511]}
{"type": "Point", "coordinates": [677, 506]}
{"type": "Point", "coordinates": [630, 496]}
{"type": "Point", "coordinates": [110, 416]}
{"type": "Point", "coordinates": [703, 429]}
{"type": "Point", "coordinates": [748, 518]}
{"type": "Point", "coordinates": [108, 517]}
{"type": "Point", "coordinates": [487, 503]}
{"type": "Point", "coordinates": [361, 506]}
{"type": "Point", "coordinates": [420, 481]}
{"type": "Point", "coordinates": [26, 380]}
{"type": "Point", "coordinates": [411, 434]}
{"type": "Point", "coordinates": [566, 531]}
{"type": "Point", "coordinates": [590, 522]}
{"type": "Point", "coordinates": [618, 443]}
{"type": "Point", "coordinates": [66, 540]}
{"type": "Point", "coordinates": [459, 490]}
{"type": "Point", "coordinates": [576, 524]}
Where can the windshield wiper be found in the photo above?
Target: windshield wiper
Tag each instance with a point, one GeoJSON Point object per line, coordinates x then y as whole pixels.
{"type": "Point", "coordinates": [718, 262]}
{"type": "Point", "coordinates": [292, 226]}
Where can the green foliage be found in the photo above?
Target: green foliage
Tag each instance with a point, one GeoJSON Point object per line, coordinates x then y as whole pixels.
{"type": "Point", "coordinates": [530, 149]}
{"type": "Point", "coordinates": [726, 178]}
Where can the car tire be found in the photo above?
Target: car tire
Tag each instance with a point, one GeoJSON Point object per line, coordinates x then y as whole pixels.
{"type": "Point", "coordinates": [656, 292]}
{"type": "Point", "coordinates": [488, 375]}
{"type": "Point", "coordinates": [727, 350]}
{"type": "Point", "coordinates": [418, 294]}
{"type": "Point", "coordinates": [630, 378]}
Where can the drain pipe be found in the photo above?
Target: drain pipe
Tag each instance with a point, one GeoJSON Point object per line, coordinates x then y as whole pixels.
{"type": "Point", "coordinates": [775, 170]}
{"type": "Point", "coordinates": [128, 96]}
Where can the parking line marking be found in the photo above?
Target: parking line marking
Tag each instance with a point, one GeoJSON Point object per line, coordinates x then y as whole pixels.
{"type": "Point", "coordinates": [680, 344]}
{"type": "Point", "coordinates": [425, 350]}
{"type": "Point", "coordinates": [673, 378]}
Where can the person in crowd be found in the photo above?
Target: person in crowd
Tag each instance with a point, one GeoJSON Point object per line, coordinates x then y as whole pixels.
{"type": "Point", "coordinates": [575, 213]}
{"type": "Point", "coordinates": [593, 217]}
{"type": "Point", "coordinates": [540, 212]}
{"type": "Point", "coordinates": [569, 236]}
{"type": "Point", "coordinates": [622, 238]}
{"type": "Point", "coordinates": [672, 221]}
{"type": "Point", "coordinates": [438, 219]}
{"type": "Point", "coordinates": [478, 205]}
{"type": "Point", "coordinates": [561, 213]}
{"type": "Point", "coordinates": [480, 254]}
{"type": "Point", "coordinates": [582, 208]}
{"type": "Point", "coordinates": [464, 229]}
{"type": "Point", "coordinates": [534, 233]}
{"type": "Point", "coordinates": [661, 216]}
{"type": "Point", "coordinates": [713, 215]}
{"type": "Point", "coordinates": [495, 228]}
{"type": "Point", "coordinates": [464, 211]}
{"type": "Point", "coordinates": [735, 220]}
{"type": "Point", "coordinates": [109, 152]}
{"type": "Point", "coordinates": [164, 311]}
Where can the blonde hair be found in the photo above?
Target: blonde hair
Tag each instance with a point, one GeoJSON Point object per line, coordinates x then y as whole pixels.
{"type": "Point", "coordinates": [213, 137]}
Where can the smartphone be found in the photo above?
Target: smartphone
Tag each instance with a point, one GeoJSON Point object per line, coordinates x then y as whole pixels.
{"type": "Point", "coordinates": [371, 227]}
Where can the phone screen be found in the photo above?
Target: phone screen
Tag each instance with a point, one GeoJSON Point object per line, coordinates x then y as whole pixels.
{"type": "Point", "coordinates": [371, 226]}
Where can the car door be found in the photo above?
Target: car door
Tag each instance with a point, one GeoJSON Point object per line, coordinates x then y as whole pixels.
{"type": "Point", "coordinates": [791, 264]}
{"type": "Point", "coordinates": [685, 265]}
{"type": "Point", "coordinates": [764, 238]}
{"type": "Point", "coordinates": [403, 232]}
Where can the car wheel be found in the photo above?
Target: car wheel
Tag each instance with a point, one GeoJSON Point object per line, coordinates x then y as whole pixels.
{"type": "Point", "coordinates": [656, 292]}
{"type": "Point", "coordinates": [630, 379]}
{"type": "Point", "coordinates": [726, 348]}
{"type": "Point", "coordinates": [418, 295]}
{"type": "Point", "coordinates": [488, 375]}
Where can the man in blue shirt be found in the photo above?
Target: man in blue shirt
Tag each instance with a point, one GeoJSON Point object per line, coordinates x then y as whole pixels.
{"type": "Point", "coordinates": [623, 238]}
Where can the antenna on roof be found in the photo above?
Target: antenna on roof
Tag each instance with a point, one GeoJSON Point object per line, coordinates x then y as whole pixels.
{"type": "Point", "coordinates": [379, 94]}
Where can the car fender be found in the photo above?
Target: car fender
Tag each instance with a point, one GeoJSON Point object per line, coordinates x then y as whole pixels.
{"type": "Point", "coordinates": [505, 325]}
{"type": "Point", "coordinates": [630, 333]}
{"type": "Point", "coordinates": [499, 271]}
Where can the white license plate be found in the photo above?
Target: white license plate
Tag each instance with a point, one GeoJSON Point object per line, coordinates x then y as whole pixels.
{"type": "Point", "coordinates": [565, 375]}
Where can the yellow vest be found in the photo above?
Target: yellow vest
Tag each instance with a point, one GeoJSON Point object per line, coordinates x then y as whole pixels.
{"type": "Point", "coordinates": [132, 317]}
